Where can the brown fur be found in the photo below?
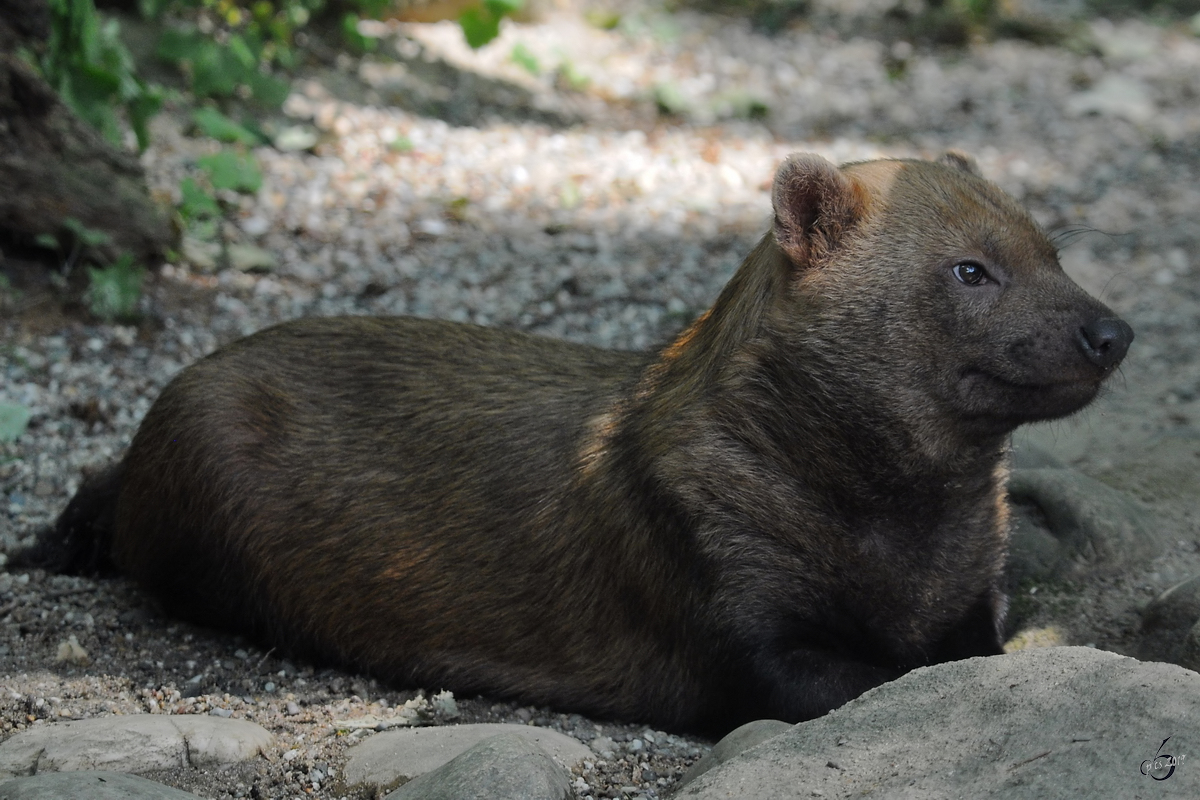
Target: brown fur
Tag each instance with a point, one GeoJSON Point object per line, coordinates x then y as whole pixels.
{"type": "Point", "coordinates": [798, 499]}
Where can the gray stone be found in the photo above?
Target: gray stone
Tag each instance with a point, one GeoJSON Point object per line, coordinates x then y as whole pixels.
{"type": "Point", "coordinates": [603, 746]}
{"type": "Point", "coordinates": [1034, 552]}
{"type": "Point", "coordinates": [1167, 625]}
{"type": "Point", "coordinates": [504, 767]}
{"type": "Point", "coordinates": [1189, 651]}
{"type": "Point", "coordinates": [1028, 455]}
{"type": "Point", "coordinates": [203, 256]}
{"type": "Point", "coordinates": [136, 743]}
{"type": "Point", "coordinates": [1066, 522]}
{"type": "Point", "coordinates": [89, 785]}
{"type": "Point", "coordinates": [1166, 468]}
{"type": "Point", "coordinates": [386, 758]}
{"type": "Point", "coordinates": [734, 743]}
{"type": "Point", "coordinates": [1115, 96]}
{"type": "Point", "coordinates": [248, 258]}
{"type": "Point", "coordinates": [1048, 723]}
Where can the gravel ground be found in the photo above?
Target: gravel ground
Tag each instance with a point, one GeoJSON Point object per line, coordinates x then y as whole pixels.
{"type": "Point", "coordinates": [583, 212]}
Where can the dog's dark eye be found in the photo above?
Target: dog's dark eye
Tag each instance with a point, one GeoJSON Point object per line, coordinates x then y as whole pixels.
{"type": "Point", "coordinates": [970, 273]}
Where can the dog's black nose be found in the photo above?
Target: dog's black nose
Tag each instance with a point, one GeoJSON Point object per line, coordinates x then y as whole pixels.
{"type": "Point", "coordinates": [1105, 341]}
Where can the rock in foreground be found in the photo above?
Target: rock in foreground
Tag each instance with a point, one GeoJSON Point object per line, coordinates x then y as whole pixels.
{"type": "Point", "coordinates": [386, 758]}
{"type": "Point", "coordinates": [89, 786]}
{"type": "Point", "coordinates": [135, 743]}
{"type": "Point", "coordinates": [1063, 722]}
{"type": "Point", "coordinates": [504, 767]}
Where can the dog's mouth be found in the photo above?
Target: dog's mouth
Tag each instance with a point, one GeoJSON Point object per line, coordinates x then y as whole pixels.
{"type": "Point", "coordinates": [1027, 384]}
{"type": "Point", "coordinates": [1020, 399]}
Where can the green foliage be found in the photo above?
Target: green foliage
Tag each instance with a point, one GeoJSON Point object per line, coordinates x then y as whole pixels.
{"type": "Point", "coordinates": [14, 419]}
{"type": "Point", "coordinates": [604, 20]}
{"type": "Point", "coordinates": [978, 11]}
{"type": "Point", "coordinates": [237, 45]}
{"type": "Point", "coordinates": [213, 123]}
{"type": "Point", "coordinates": [739, 104]}
{"type": "Point", "coordinates": [197, 204]}
{"type": "Point", "coordinates": [481, 24]}
{"type": "Point", "coordinates": [230, 170]}
{"type": "Point", "coordinates": [569, 77]}
{"type": "Point", "coordinates": [92, 71]}
{"type": "Point", "coordinates": [113, 291]}
{"type": "Point", "coordinates": [352, 36]}
{"type": "Point", "coordinates": [199, 209]}
{"type": "Point", "coordinates": [401, 144]}
{"type": "Point", "coordinates": [46, 240]}
{"type": "Point", "coordinates": [85, 236]}
{"type": "Point", "coordinates": [670, 99]}
{"type": "Point", "coordinates": [221, 70]}
{"type": "Point", "coordinates": [524, 58]}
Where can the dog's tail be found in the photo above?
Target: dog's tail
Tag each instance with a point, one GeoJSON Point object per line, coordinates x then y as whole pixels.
{"type": "Point", "coordinates": [80, 541]}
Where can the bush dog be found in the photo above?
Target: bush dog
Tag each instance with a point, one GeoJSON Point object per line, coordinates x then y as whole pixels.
{"type": "Point", "coordinates": [799, 498]}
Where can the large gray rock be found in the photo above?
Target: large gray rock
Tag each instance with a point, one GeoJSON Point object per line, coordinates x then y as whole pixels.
{"type": "Point", "coordinates": [1065, 523]}
{"type": "Point", "coordinates": [89, 786]}
{"type": "Point", "coordinates": [387, 758]}
{"type": "Point", "coordinates": [1166, 468]}
{"type": "Point", "coordinates": [135, 743]}
{"type": "Point", "coordinates": [737, 741]}
{"type": "Point", "coordinates": [1168, 624]}
{"type": "Point", "coordinates": [504, 767]}
{"type": "Point", "coordinates": [1061, 722]}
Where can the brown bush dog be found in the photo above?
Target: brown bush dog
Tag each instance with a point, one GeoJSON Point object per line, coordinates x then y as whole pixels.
{"type": "Point", "coordinates": [800, 498]}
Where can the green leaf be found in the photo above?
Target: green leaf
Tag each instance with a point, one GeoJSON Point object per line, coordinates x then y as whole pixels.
{"type": "Point", "coordinates": [113, 292]}
{"type": "Point", "coordinates": [46, 240]}
{"type": "Point", "coordinates": [216, 72]}
{"type": "Point", "coordinates": [286, 56]}
{"type": "Point", "coordinates": [401, 144]}
{"type": "Point", "coordinates": [604, 20]}
{"type": "Point", "coordinates": [268, 91]}
{"type": "Point", "coordinates": [240, 50]}
{"type": "Point", "coordinates": [14, 420]}
{"type": "Point", "coordinates": [196, 203]}
{"type": "Point", "coordinates": [230, 170]}
{"type": "Point", "coordinates": [94, 81]}
{"type": "Point", "coordinates": [373, 8]}
{"type": "Point", "coordinates": [182, 45]}
{"type": "Point", "coordinates": [670, 99]}
{"type": "Point", "coordinates": [215, 124]}
{"type": "Point", "coordinates": [363, 44]}
{"type": "Point", "coordinates": [479, 26]}
{"type": "Point", "coordinates": [500, 8]}
{"type": "Point", "coordinates": [524, 58]}
{"type": "Point", "coordinates": [141, 110]}
{"type": "Point", "coordinates": [85, 235]}
{"type": "Point", "coordinates": [152, 9]}
{"type": "Point", "coordinates": [570, 77]}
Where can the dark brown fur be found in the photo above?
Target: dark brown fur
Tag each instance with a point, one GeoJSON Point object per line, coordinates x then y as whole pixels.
{"type": "Point", "coordinates": [800, 498]}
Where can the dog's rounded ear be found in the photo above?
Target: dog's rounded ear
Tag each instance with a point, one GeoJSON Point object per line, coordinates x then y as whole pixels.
{"type": "Point", "coordinates": [961, 161]}
{"type": "Point", "coordinates": [815, 204]}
